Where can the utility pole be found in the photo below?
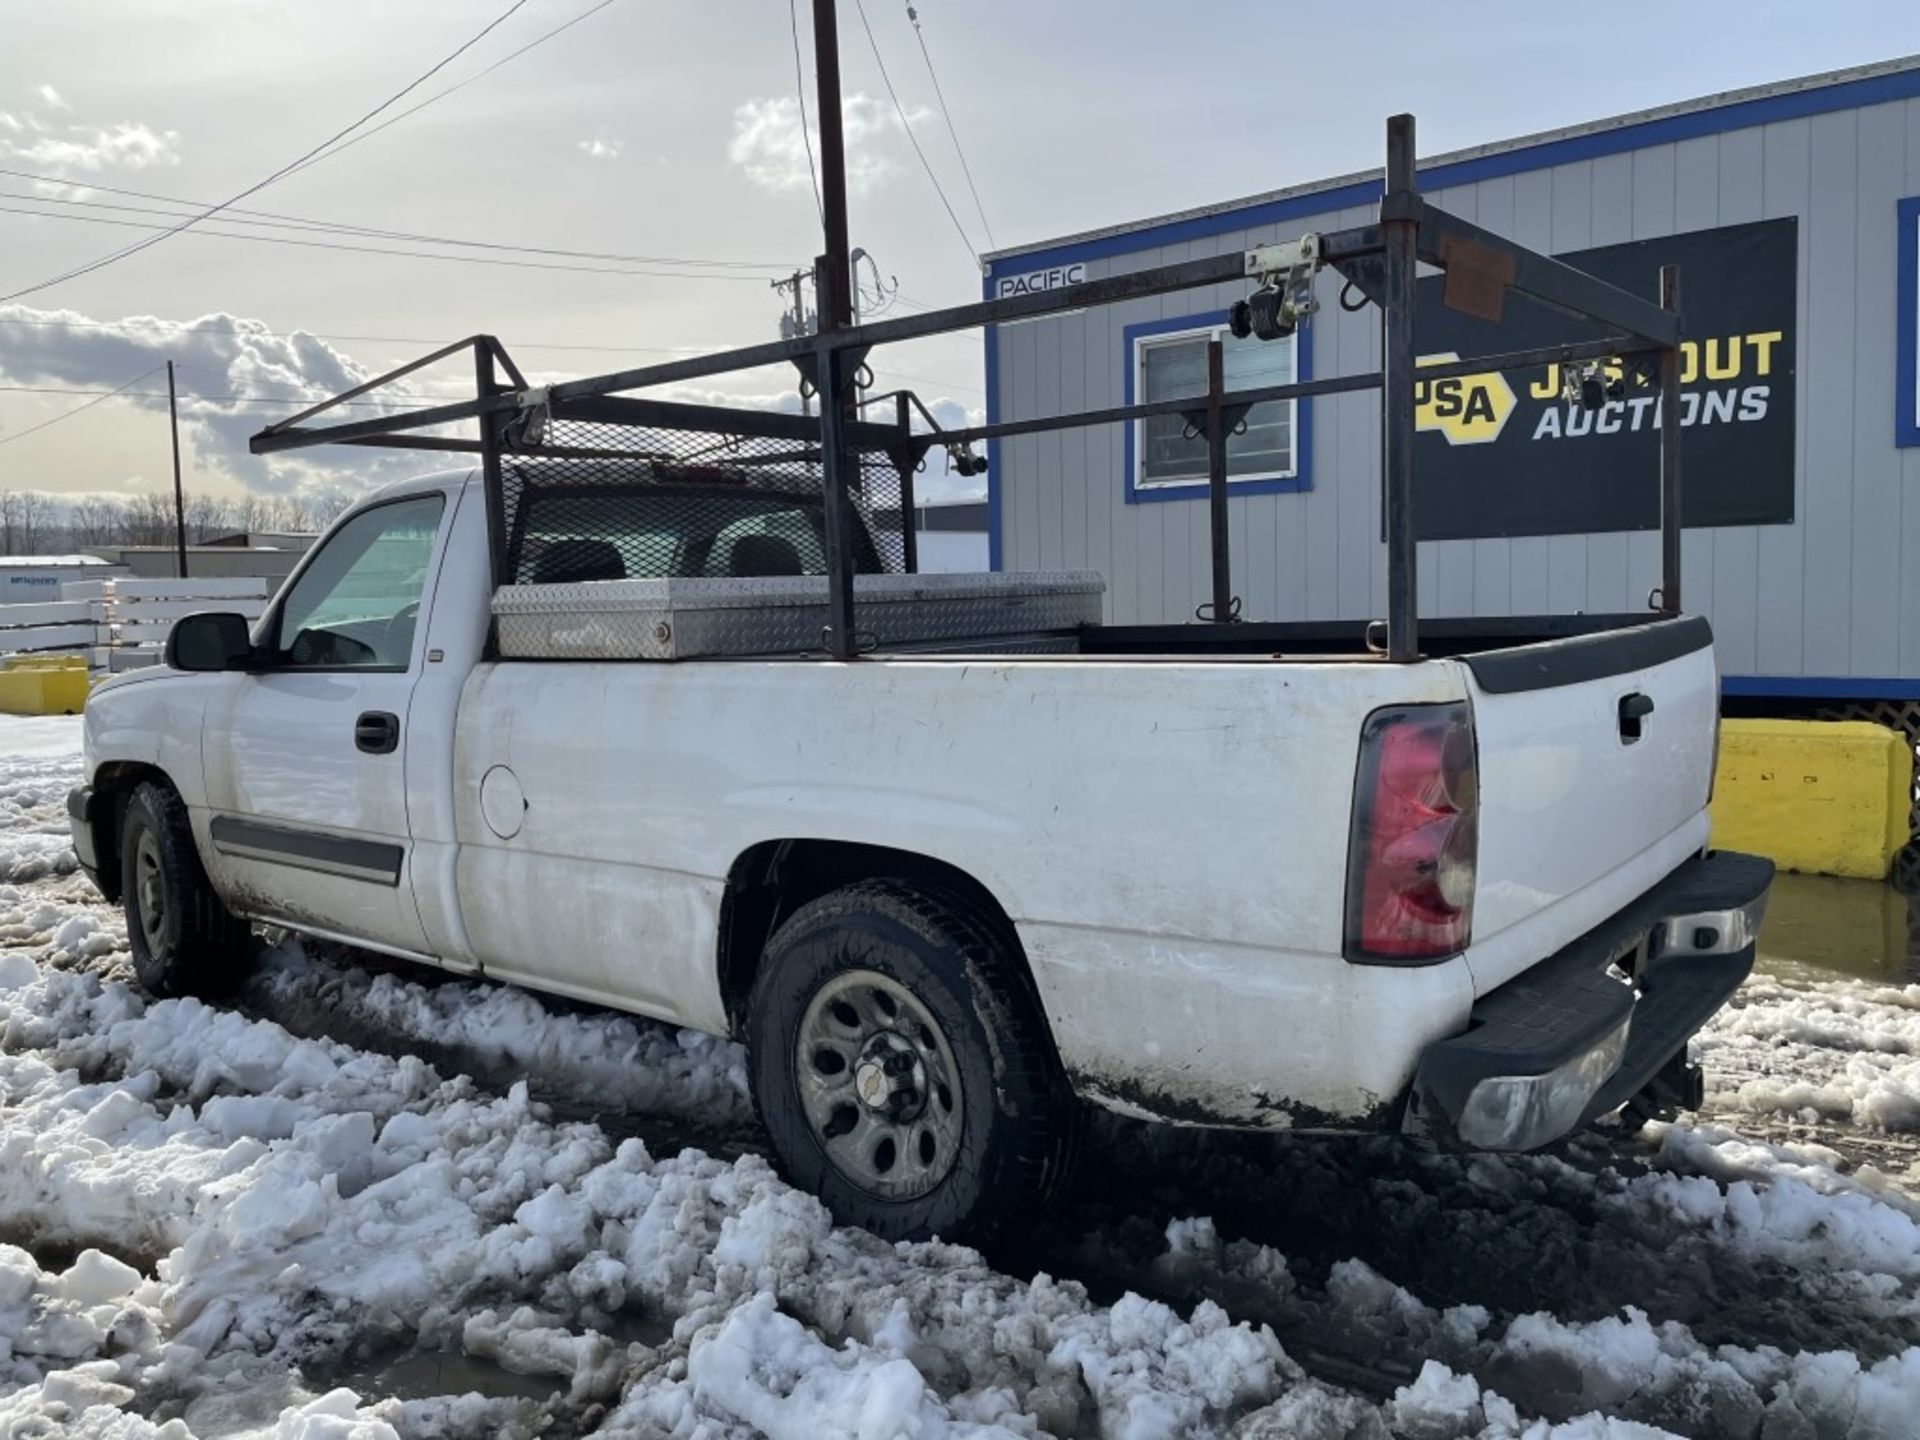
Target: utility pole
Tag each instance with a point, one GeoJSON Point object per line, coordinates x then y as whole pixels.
{"type": "Point", "coordinates": [799, 322]}
{"type": "Point", "coordinates": [836, 274]}
{"type": "Point", "coordinates": [832, 367]}
{"type": "Point", "coordinates": [179, 495]}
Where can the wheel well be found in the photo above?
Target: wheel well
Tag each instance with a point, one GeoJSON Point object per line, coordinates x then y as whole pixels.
{"type": "Point", "coordinates": [776, 877]}
{"type": "Point", "coordinates": [112, 784]}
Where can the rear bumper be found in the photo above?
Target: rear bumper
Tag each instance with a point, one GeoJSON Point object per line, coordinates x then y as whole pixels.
{"type": "Point", "coordinates": [1582, 1033]}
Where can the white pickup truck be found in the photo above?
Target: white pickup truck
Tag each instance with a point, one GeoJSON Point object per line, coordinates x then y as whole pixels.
{"type": "Point", "coordinates": [944, 897]}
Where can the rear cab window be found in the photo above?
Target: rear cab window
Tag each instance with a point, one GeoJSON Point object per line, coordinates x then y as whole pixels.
{"type": "Point", "coordinates": [655, 532]}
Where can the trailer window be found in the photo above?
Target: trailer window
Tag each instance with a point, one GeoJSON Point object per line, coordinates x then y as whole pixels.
{"type": "Point", "coordinates": [1173, 366]}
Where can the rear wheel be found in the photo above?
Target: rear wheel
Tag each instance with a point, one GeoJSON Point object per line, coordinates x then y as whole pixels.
{"type": "Point", "coordinates": [183, 940]}
{"type": "Point", "coordinates": [901, 1067]}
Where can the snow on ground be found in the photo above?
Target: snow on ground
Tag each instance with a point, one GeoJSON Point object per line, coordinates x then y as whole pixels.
{"type": "Point", "coordinates": [37, 764]}
{"type": "Point", "coordinates": [499, 1033]}
{"type": "Point", "coordinates": [344, 1209]}
{"type": "Point", "coordinates": [42, 736]}
{"type": "Point", "coordinates": [1844, 1050]}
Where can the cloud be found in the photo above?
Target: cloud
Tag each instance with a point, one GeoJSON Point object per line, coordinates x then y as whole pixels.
{"type": "Point", "coordinates": [33, 139]}
{"type": "Point", "coordinates": [770, 148]}
{"type": "Point", "coordinates": [92, 149]}
{"type": "Point", "coordinates": [224, 364]}
{"type": "Point", "coordinates": [603, 146]}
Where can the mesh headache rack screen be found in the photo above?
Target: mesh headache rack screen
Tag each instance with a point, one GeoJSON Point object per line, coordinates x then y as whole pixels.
{"type": "Point", "coordinates": [614, 501]}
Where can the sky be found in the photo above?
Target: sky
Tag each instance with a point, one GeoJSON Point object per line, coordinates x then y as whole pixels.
{"type": "Point", "coordinates": [668, 129]}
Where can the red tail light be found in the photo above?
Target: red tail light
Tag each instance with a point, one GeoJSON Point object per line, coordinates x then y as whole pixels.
{"type": "Point", "coordinates": [1416, 809]}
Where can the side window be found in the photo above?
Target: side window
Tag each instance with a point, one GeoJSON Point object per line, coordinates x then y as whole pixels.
{"type": "Point", "coordinates": [355, 605]}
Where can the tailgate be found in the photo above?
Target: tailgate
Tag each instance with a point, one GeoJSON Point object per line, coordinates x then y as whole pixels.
{"type": "Point", "coordinates": [1596, 760]}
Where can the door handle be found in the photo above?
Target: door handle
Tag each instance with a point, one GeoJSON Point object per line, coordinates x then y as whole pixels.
{"type": "Point", "coordinates": [377, 732]}
{"type": "Point", "coordinates": [1634, 709]}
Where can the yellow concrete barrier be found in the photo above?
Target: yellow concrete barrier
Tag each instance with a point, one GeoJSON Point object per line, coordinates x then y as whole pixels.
{"type": "Point", "coordinates": [43, 685]}
{"type": "Point", "coordinates": [1827, 797]}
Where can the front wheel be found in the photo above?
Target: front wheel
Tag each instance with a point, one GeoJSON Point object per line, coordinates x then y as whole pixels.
{"type": "Point", "coordinates": [901, 1068]}
{"type": "Point", "coordinates": [183, 940]}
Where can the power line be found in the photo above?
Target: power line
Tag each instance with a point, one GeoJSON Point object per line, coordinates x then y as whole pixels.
{"type": "Point", "coordinates": [306, 393]}
{"type": "Point", "coordinates": [105, 260]}
{"type": "Point", "coordinates": [929, 380]}
{"type": "Point", "coordinates": [126, 392]}
{"type": "Point", "coordinates": [312, 395]}
{"type": "Point", "coordinates": [69, 414]}
{"type": "Point", "coordinates": [165, 231]}
{"type": "Point", "coordinates": [188, 330]}
{"type": "Point", "coordinates": [183, 331]}
{"type": "Point", "coordinates": [947, 115]}
{"type": "Point", "coordinates": [800, 89]}
{"type": "Point", "coordinates": [274, 220]}
{"type": "Point", "coordinates": [905, 124]}
{"type": "Point", "coordinates": [460, 85]}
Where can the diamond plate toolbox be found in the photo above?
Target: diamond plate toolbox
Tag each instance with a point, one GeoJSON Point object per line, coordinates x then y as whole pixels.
{"type": "Point", "coordinates": [688, 618]}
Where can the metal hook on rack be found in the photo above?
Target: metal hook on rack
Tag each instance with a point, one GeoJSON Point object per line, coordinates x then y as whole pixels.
{"type": "Point", "coordinates": [536, 413]}
{"type": "Point", "coordinates": [1285, 299]}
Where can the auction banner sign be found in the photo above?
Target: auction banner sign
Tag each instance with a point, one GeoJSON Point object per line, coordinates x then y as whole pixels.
{"type": "Point", "coordinates": [1505, 453]}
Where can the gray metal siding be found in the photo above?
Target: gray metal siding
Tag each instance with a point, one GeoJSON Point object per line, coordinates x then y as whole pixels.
{"type": "Point", "coordinates": [1829, 595]}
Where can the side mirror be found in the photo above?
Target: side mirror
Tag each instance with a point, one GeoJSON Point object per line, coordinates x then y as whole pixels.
{"type": "Point", "coordinates": [211, 640]}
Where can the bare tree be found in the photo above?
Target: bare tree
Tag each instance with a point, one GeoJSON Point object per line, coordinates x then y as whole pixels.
{"type": "Point", "coordinates": [10, 522]}
{"type": "Point", "coordinates": [254, 513]}
{"type": "Point", "coordinates": [208, 516]}
{"type": "Point", "coordinates": [249, 514]}
{"type": "Point", "coordinates": [97, 520]}
{"type": "Point", "coordinates": [31, 520]}
{"type": "Point", "coordinates": [35, 510]}
{"type": "Point", "coordinates": [326, 506]}
{"type": "Point", "coordinates": [296, 513]}
{"type": "Point", "coordinates": [149, 520]}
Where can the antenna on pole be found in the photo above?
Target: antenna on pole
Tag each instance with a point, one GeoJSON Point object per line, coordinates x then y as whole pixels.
{"type": "Point", "coordinates": [886, 288]}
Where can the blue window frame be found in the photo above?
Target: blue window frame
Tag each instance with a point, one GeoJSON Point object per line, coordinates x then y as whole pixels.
{"type": "Point", "coordinates": [1274, 456]}
{"type": "Point", "coordinates": [1906, 366]}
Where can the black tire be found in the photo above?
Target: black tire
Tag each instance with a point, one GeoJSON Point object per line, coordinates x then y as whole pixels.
{"type": "Point", "coordinates": [194, 945]}
{"type": "Point", "coordinates": [1013, 1141]}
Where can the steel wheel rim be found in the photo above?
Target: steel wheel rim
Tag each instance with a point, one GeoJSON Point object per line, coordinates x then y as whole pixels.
{"type": "Point", "coordinates": [878, 1084]}
{"type": "Point", "coordinates": [150, 891]}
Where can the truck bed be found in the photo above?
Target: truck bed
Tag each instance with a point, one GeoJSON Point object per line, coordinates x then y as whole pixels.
{"type": "Point", "coordinates": [962, 615]}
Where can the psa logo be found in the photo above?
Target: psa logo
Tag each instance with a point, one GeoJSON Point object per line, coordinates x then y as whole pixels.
{"type": "Point", "coordinates": [1467, 409]}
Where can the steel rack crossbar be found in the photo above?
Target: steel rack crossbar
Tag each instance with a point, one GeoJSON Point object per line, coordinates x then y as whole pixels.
{"type": "Point", "coordinates": [850, 463]}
